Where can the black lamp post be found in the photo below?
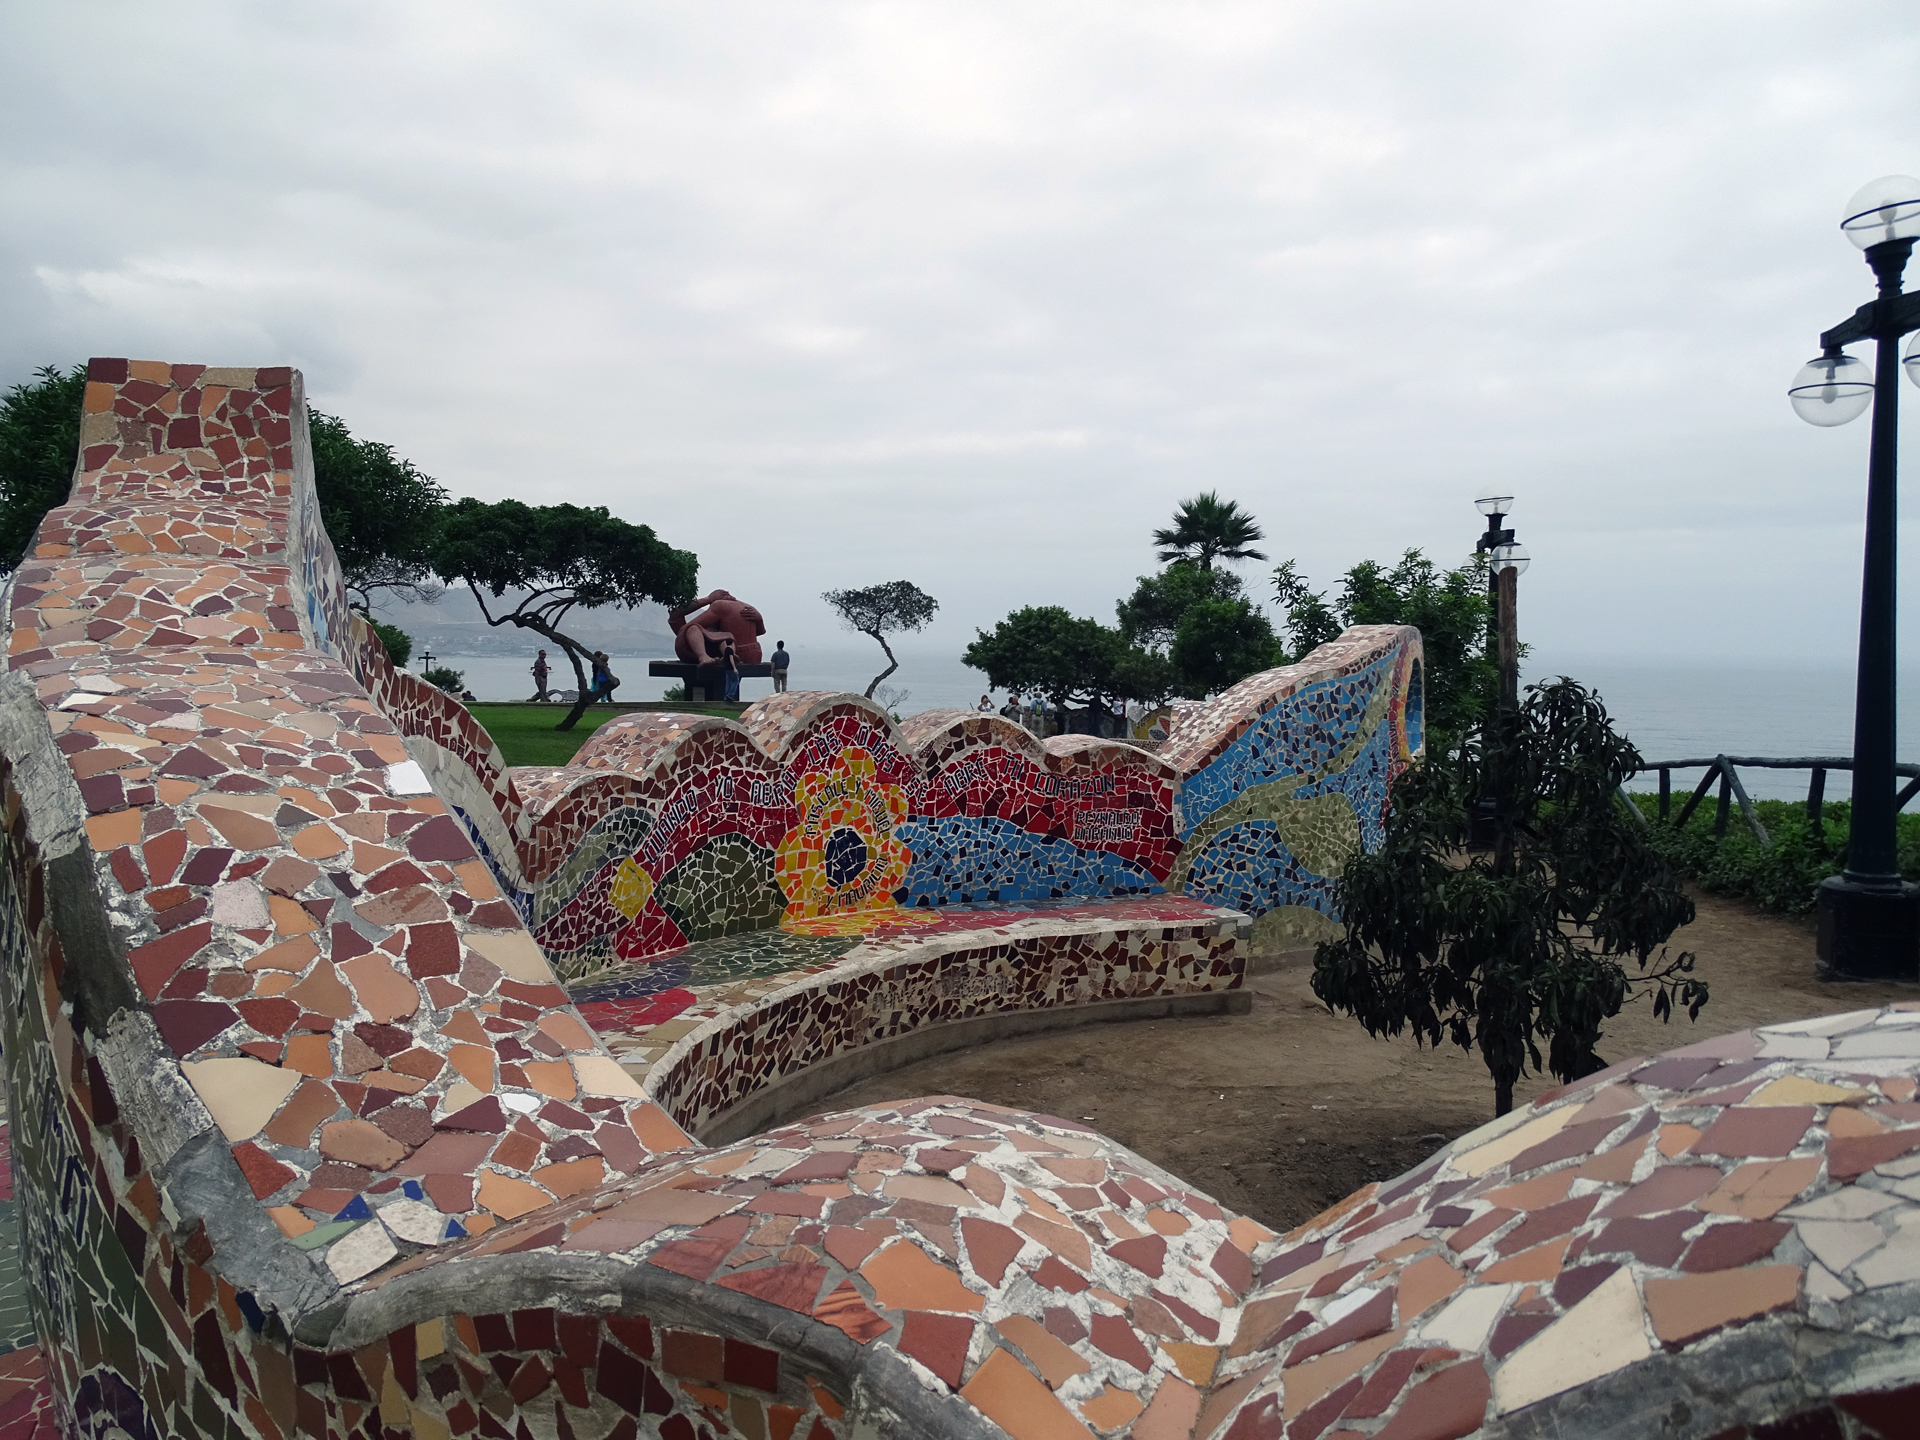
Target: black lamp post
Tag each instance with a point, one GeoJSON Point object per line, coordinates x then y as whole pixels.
{"type": "Point", "coordinates": [1869, 919]}
{"type": "Point", "coordinates": [426, 660]}
{"type": "Point", "coordinates": [1505, 563]}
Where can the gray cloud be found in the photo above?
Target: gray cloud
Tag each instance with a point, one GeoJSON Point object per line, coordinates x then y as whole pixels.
{"type": "Point", "coordinates": [974, 293]}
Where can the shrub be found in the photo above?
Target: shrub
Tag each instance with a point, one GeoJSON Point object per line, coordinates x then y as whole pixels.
{"type": "Point", "coordinates": [1783, 876]}
{"type": "Point", "coordinates": [445, 679]}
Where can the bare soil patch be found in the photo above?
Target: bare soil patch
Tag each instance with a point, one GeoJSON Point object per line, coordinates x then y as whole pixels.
{"type": "Point", "coordinates": [1281, 1112]}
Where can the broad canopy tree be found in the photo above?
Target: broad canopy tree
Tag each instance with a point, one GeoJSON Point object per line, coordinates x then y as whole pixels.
{"type": "Point", "coordinates": [1526, 943]}
{"type": "Point", "coordinates": [1199, 621]}
{"type": "Point", "coordinates": [1069, 660]}
{"type": "Point", "coordinates": [881, 610]}
{"type": "Point", "coordinates": [552, 558]}
{"type": "Point", "coordinates": [379, 511]}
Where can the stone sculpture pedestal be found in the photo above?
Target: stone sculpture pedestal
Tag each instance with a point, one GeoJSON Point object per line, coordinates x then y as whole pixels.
{"type": "Point", "coordinates": [690, 674]}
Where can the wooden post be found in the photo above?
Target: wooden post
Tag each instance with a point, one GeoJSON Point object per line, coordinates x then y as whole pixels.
{"type": "Point", "coordinates": [1816, 793]}
{"type": "Point", "coordinates": [1726, 804]}
{"type": "Point", "coordinates": [1666, 791]}
{"type": "Point", "coordinates": [1508, 593]}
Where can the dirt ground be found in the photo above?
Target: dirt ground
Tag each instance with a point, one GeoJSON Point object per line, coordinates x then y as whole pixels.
{"type": "Point", "coordinates": [1280, 1112]}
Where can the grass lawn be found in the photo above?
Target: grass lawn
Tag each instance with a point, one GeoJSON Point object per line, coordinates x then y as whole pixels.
{"type": "Point", "coordinates": [526, 735]}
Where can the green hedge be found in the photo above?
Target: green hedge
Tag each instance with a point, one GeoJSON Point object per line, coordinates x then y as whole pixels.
{"type": "Point", "coordinates": [1781, 877]}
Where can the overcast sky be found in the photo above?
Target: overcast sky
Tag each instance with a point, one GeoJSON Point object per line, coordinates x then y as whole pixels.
{"type": "Point", "coordinates": [973, 294]}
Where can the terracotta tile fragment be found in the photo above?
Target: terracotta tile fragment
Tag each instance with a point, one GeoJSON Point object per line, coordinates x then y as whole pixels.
{"type": "Point", "coordinates": [1004, 1391]}
{"type": "Point", "coordinates": [844, 1309]}
{"type": "Point", "coordinates": [1755, 1130]}
{"type": "Point", "coordinates": [1760, 1189]}
{"type": "Point", "coordinates": [905, 1277]}
{"type": "Point", "coordinates": [1056, 1362]}
{"type": "Point", "coordinates": [1690, 1306]}
{"type": "Point", "coordinates": [1446, 1406]}
{"type": "Point", "coordinates": [1725, 1247]}
{"type": "Point", "coordinates": [990, 1247]}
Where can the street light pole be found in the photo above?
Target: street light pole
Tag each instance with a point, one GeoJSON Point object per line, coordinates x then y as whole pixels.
{"type": "Point", "coordinates": [1505, 562]}
{"type": "Point", "coordinates": [1869, 918]}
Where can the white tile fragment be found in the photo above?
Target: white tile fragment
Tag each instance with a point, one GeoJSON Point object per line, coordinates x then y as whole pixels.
{"type": "Point", "coordinates": [1836, 1244]}
{"type": "Point", "coordinates": [1342, 1306]}
{"type": "Point", "coordinates": [1793, 1047]}
{"type": "Point", "coordinates": [415, 1220]}
{"type": "Point", "coordinates": [1897, 1260]}
{"type": "Point", "coordinates": [241, 904]}
{"type": "Point", "coordinates": [1878, 1044]}
{"type": "Point", "coordinates": [1824, 1024]}
{"type": "Point", "coordinates": [1603, 1333]}
{"type": "Point", "coordinates": [407, 778]}
{"type": "Point", "coordinates": [1467, 1320]}
{"type": "Point", "coordinates": [1823, 1284]}
{"type": "Point", "coordinates": [1848, 1203]}
{"type": "Point", "coordinates": [361, 1253]}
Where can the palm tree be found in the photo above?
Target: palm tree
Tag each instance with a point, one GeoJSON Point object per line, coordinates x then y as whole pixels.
{"type": "Point", "coordinates": [1207, 526]}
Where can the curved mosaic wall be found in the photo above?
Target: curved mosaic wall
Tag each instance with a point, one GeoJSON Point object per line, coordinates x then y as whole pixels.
{"type": "Point", "coordinates": [317, 1144]}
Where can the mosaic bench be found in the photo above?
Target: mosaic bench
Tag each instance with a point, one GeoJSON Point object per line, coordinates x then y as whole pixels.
{"type": "Point", "coordinates": [732, 1035]}
{"type": "Point", "coordinates": [316, 1140]}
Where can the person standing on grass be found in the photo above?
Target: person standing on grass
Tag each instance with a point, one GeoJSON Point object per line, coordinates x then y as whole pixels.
{"type": "Point", "coordinates": [780, 659]}
{"type": "Point", "coordinates": [540, 676]}
{"type": "Point", "coordinates": [731, 663]}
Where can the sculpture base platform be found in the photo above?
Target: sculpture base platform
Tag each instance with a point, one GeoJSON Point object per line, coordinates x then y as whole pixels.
{"type": "Point", "coordinates": [689, 674]}
{"type": "Point", "coordinates": [1868, 932]}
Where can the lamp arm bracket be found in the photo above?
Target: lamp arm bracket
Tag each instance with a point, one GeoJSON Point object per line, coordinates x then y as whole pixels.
{"type": "Point", "coordinates": [1876, 320]}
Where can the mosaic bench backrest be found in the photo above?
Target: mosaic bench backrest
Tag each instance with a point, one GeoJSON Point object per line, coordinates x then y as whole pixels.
{"type": "Point", "coordinates": [817, 813]}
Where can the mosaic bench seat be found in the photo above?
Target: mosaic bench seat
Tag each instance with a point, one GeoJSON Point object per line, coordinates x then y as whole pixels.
{"type": "Point", "coordinates": [693, 1028]}
{"type": "Point", "coordinates": [314, 1140]}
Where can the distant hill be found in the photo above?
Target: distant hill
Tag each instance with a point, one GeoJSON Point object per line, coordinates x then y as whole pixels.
{"type": "Point", "coordinates": [452, 626]}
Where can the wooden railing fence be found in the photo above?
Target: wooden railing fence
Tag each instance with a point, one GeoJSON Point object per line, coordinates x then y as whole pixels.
{"type": "Point", "coordinates": [1723, 768]}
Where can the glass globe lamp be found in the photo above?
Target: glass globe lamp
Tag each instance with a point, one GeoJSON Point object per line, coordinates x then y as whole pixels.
{"type": "Point", "coordinates": [1882, 210]}
{"type": "Point", "coordinates": [1494, 505]}
{"type": "Point", "coordinates": [1912, 363]}
{"type": "Point", "coordinates": [1831, 390]}
{"type": "Point", "coordinates": [1510, 557]}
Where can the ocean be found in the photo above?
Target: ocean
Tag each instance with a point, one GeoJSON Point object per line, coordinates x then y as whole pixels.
{"type": "Point", "coordinates": [1671, 709]}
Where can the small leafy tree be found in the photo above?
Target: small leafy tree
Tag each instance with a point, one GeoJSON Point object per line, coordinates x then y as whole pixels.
{"type": "Point", "coordinates": [379, 511]}
{"type": "Point", "coordinates": [1202, 623]}
{"type": "Point", "coordinates": [552, 558]}
{"type": "Point", "coordinates": [1461, 676]}
{"type": "Point", "coordinates": [1207, 528]}
{"type": "Point", "coordinates": [399, 644]}
{"type": "Point", "coordinates": [443, 677]}
{"type": "Point", "coordinates": [1311, 622]}
{"type": "Point", "coordinates": [879, 610]}
{"type": "Point", "coordinates": [1218, 643]}
{"type": "Point", "coordinates": [39, 447]}
{"type": "Point", "coordinates": [1499, 951]}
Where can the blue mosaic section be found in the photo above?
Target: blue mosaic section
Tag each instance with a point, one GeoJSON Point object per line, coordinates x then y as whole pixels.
{"type": "Point", "coordinates": [1364, 783]}
{"type": "Point", "coordinates": [1301, 735]}
{"type": "Point", "coordinates": [960, 860]}
{"type": "Point", "coordinates": [1250, 868]}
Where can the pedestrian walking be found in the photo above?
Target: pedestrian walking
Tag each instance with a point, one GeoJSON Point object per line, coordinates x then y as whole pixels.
{"type": "Point", "coordinates": [604, 680]}
{"type": "Point", "coordinates": [731, 662]}
{"type": "Point", "coordinates": [780, 660]}
{"type": "Point", "coordinates": [540, 676]}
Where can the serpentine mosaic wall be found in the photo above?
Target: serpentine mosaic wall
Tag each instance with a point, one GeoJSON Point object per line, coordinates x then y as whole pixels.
{"type": "Point", "coordinates": [313, 1143]}
{"type": "Point", "coordinates": [818, 815]}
